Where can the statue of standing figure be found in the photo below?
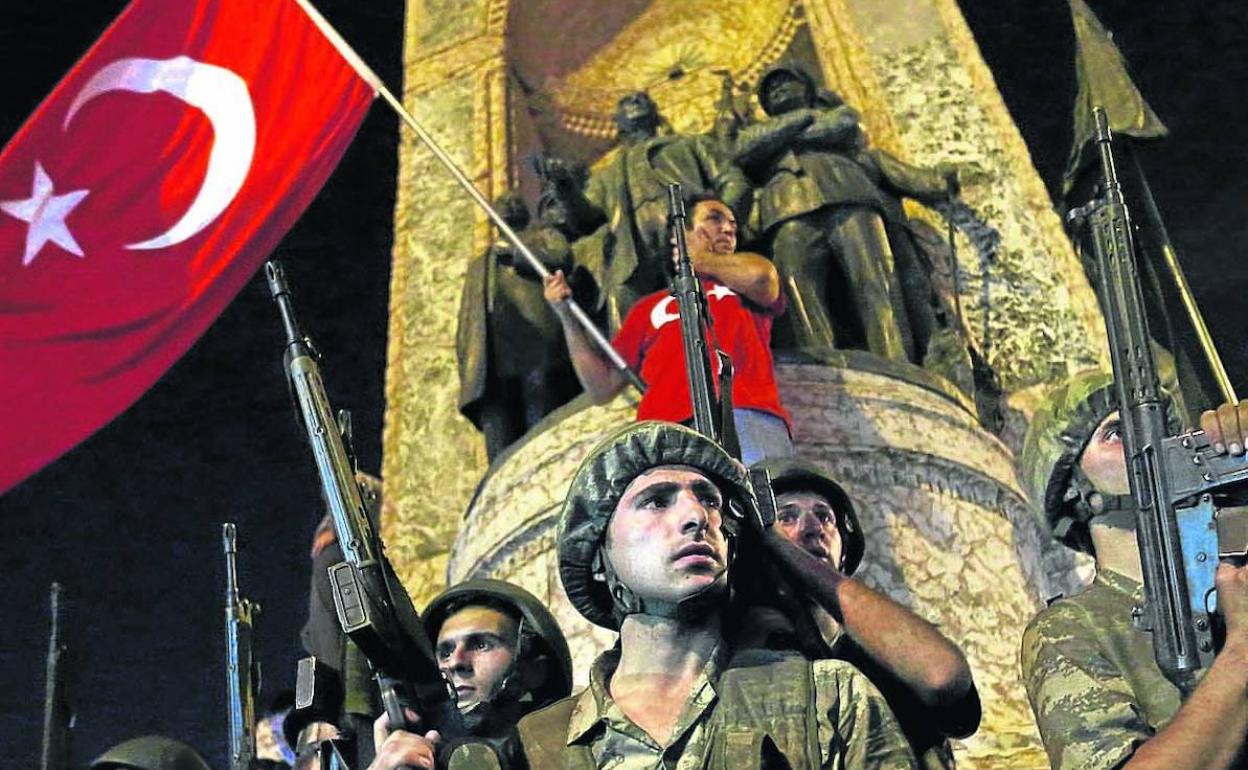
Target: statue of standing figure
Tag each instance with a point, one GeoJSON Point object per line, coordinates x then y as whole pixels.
{"type": "Point", "coordinates": [513, 364]}
{"type": "Point", "coordinates": [830, 214]}
{"type": "Point", "coordinates": [621, 211]}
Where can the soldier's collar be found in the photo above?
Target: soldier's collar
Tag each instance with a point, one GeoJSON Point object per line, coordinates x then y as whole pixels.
{"type": "Point", "coordinates": [590, 711]}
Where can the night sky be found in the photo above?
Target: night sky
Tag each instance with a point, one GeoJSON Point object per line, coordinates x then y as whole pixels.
{"type": "Point", "coordinates": [130, 520]}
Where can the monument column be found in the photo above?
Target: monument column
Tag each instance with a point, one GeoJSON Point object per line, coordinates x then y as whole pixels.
{"type": "Point", "coordinates": [455, 84]}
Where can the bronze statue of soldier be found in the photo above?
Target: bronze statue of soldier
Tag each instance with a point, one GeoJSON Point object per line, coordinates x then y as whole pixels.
{"type": "Point", "coordinates": [830, 210]}
{"type": "Point", "coordinates": [513, 365]}
{"type": "Point", "coordinates": [622, 209]}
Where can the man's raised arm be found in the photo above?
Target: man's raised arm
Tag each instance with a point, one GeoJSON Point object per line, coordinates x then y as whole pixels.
{"type": "Point", "coordinates": [598, 377]}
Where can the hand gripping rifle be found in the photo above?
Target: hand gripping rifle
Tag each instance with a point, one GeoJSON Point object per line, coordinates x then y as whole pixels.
{"type": "Point", "coordinates": [242, 673]}
{"type": "Point", "coordinates": [1172, 478]}
{"type": "Point", "coordinates": [373, 609]}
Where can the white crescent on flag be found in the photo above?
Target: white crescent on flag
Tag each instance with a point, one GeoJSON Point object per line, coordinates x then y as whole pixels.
{"type": "Point", "coordinates": [224, 100]}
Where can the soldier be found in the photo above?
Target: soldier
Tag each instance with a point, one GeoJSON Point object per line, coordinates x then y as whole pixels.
{"type": "Point", "coordinates": [1099, 698]}
{"type": "Point", "coordinates": [742, 298]}
{"type": "Point", "coordinates": [150, 752]}
{"type": "Point", "coordinates": [513, 365]}
{"type": "Point", "coordinates": [924, 677]}
{"type": "Point", "coordinates": [623, 208]}
{"type": "Point", "coordinates": [501, 650]}
{"type": "Point", "coordinates": [646, 541]}
{"type": "Point", "coordinates": [830, 210]}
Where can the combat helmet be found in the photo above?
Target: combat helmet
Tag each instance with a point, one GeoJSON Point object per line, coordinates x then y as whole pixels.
{"type": "Point", "coordinates": [599, 485]}
{"type": "Point", "coordinates": [789, 474]}
{"type": "Point", "coordinates": [537, 620]}
{"type": "Point", "coordinates": [1060, 430]}
{"type": "Point", "coordinates": [150, 752]}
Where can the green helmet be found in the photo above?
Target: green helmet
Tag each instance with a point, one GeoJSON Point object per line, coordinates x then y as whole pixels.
{"type": "Point", "coordinates": [150, 752]}
{"type": "Point", "coordinates": [789, 474]}
{"type": "Point", "coordinates": [537, 619]}
{"type": "Point", "coordinates": [1059, 431]}
{"type": "Point", "coordinates": [600, 483]}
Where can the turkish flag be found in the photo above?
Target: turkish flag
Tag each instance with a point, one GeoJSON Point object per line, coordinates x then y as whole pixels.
{"type": "Point", "coordinates": [144, 192]}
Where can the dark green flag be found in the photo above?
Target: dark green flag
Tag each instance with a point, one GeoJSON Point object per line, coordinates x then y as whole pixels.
{"type": "Point", "coordinates": [1103, 80]}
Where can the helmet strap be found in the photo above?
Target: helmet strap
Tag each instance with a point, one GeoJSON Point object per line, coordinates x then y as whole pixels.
{"type": "Point", "coordinates": [626, 602]}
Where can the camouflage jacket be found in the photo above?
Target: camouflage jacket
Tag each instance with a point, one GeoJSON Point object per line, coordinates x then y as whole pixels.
{"type": "Point", "coordinates": [787, 713]}
{"type": "Point", "coordinates": [767, 628]}
{"type": "Point", "coordinates": [1093, 683]}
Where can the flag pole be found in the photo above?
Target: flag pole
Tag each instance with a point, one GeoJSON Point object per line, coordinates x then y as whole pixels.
{"type": "Point", "coordinates": [577, 312]}
{"type": "Point", "coordinates": [1180, 282]}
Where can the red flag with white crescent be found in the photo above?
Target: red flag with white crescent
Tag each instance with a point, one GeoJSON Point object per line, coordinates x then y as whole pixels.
{"type": "Point", "coordinates": [144, 192]}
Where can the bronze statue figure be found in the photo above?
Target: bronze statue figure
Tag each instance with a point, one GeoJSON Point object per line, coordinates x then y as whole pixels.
{"type": "Point", "coordinates": [513, 365]}
{"type": "Point", "coordinates": [622, 210]}
{"type": "Point", "coordinates": [829, 208]}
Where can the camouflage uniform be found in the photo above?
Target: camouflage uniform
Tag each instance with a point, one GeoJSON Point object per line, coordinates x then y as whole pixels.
{"type": "Point", "coordinates": [782, 712]}
{"type": "Point", "coordinates": [784, 622]}
{"type": "Point", "coordinates": [824, 714]}
{"type": "Point", "coordinates": [1092, 680]}
{"type": "Point", "coordinates": [1091, 677]}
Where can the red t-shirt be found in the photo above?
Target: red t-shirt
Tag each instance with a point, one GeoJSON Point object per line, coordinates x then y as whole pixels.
{"type": "Point", "coordinates": [650, 341]}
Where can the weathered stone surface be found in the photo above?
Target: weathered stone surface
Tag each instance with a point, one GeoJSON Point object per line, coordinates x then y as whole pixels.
{"type": "Point", "coordinates": [432, 456]}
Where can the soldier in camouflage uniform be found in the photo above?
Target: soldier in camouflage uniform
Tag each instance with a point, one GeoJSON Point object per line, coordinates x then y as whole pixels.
{"type": "Point", "coordinates": [810, 602]}
{"type": "Point", "coordinates": [646, 539]}
{"type": "Point", "coordinates": [500, 649]}
{"type": "Point", "coordinates": [1099, 698]}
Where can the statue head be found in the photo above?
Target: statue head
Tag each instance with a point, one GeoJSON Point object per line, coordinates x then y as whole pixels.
{"type": "Point", "coordinates": [512, 208]}
{"type": "Point", "coordinates": [785, 89]}
{"type": "Point", "coordinates": [636, 116]}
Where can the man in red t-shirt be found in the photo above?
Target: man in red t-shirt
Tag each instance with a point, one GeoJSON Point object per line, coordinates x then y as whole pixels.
{"type": "Point", "coordinates": [743, 298]}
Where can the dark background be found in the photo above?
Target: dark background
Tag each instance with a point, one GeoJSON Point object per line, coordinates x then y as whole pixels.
{"type": "Point", "coordinates": [130, 520]}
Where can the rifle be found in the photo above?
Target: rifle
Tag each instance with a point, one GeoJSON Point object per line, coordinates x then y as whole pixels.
{"type": "Point", "coordinates": [242, 673]}
{"type": "Point", "coordinates": [694, 324]}
{"type": "Point", "coordinates": [373, 609]}
{"type": "Point", "coordinates": [58, 716]}
{"type": "Point", "coordinates": [1172, 478]}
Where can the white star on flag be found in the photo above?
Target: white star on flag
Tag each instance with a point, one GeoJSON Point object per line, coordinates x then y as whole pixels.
{"type": "Point", "coordinates": [46, 214]}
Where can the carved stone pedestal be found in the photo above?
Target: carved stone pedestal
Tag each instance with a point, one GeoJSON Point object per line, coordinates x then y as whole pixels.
{"type": "Point", "coordinates": [948, 530]}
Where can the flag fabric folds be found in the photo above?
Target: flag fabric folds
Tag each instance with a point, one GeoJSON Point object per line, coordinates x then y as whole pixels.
{"type": "Point", "coordinates": [1103, 81]}
{"type": "Point", "coordinates": [144, 192]}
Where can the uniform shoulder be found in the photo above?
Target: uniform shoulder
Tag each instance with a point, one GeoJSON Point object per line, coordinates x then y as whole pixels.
{"type": "Point", "coordinates": [1080, 609]}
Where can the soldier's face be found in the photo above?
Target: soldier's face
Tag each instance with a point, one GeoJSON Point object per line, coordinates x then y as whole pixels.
{"type": "Point", "coordinates": [664, 539]}
{"type": "Point", "coordinates": [475, 650]}
{"type": "Point", "coordinates": [714, 226]}
{"type": "Point", "coordinates": [1103, 461]}
{"type": "Point", "coordinates": [808, 521]}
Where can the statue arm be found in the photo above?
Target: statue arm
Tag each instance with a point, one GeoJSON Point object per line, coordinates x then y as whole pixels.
{"type": "Point", "coordinates": [759, 142]}
{"type": "Point", "coordinates": [837, 128]}
{"type": "Point", "coordinates": [927, 185]}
